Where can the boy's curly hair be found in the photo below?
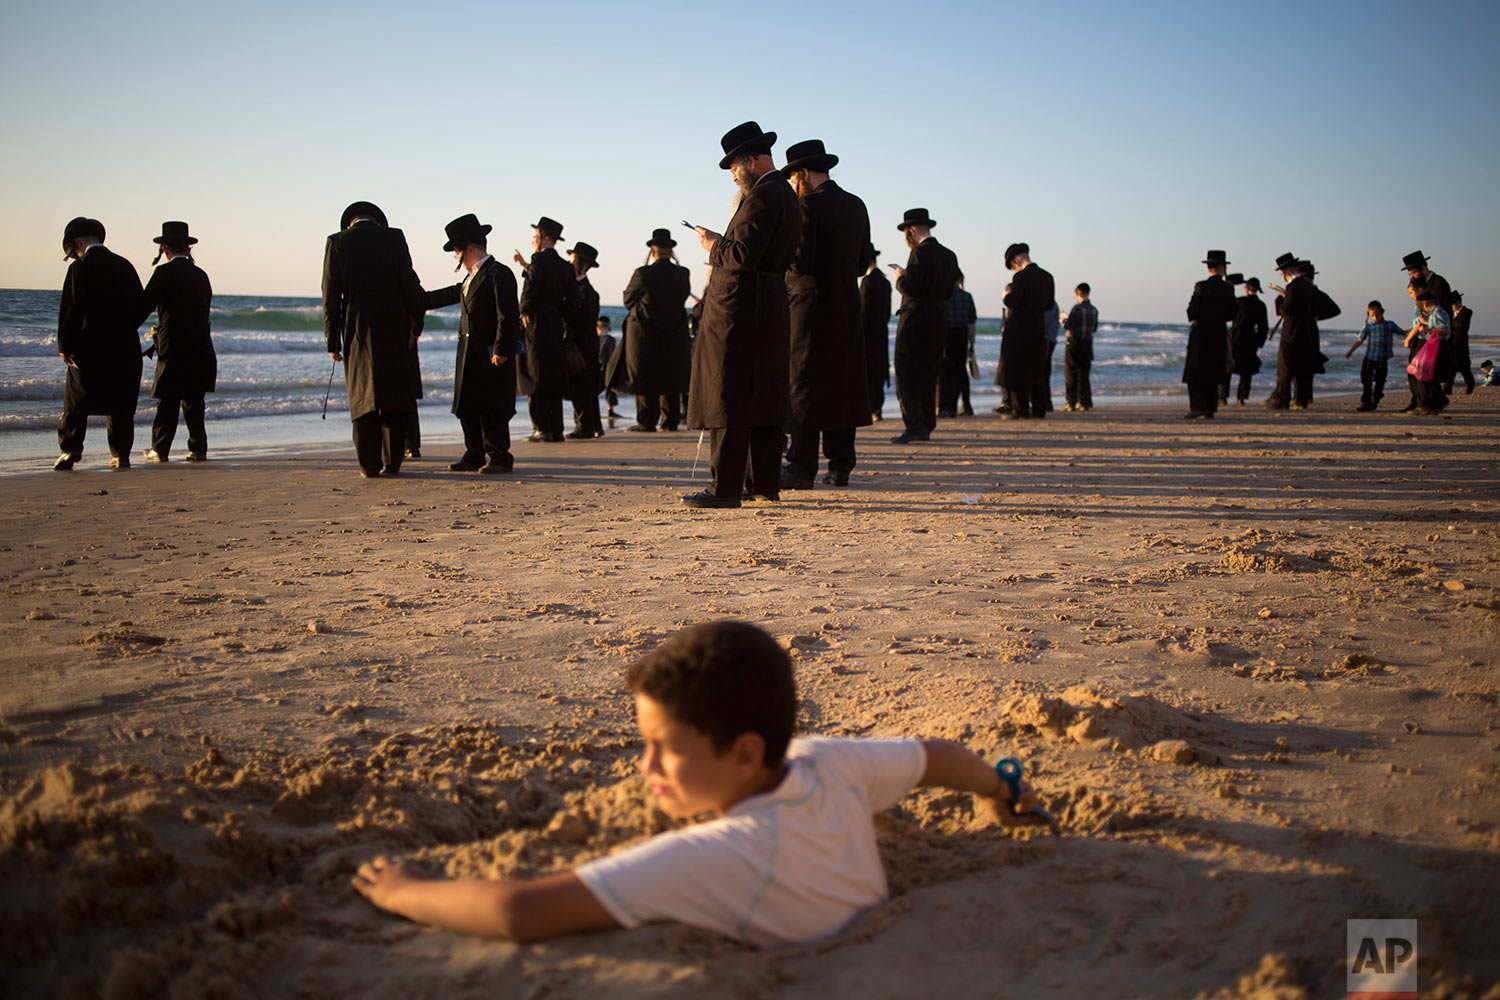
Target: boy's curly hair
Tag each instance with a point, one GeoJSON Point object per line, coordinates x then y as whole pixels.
{"type": "Point", "coordinates": [723, 678]}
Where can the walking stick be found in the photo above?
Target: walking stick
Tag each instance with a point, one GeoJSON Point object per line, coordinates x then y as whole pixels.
{"type": "Point", "coordinates": [329, 391]}
{"type": "Point", "coordinates": [701, 432]}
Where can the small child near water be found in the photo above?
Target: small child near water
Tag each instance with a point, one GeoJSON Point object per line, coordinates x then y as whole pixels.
{"type": "Point", "coordinates": [789, 856]}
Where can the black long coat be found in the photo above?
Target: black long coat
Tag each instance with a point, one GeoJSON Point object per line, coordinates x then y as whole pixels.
{"type": "Point", "coordinates": [98, 320]}
{"type": "Point", "coordinates": [657, 352]}
{"type": "Point", "coordinates": [372, 304]}
{"type": "Point", "coordinates": [827, 375]}
{"type": "Point", "coordinates": [581, 330]}
{"type": "Point", "coordinates": [1247, 335]}
{"type": "Point", "coordinates": [741, 353]}
{"type": "Point", "coordinates": [548, 292]}
{"type": "Point", "coordinates": [1303, 304]}
{"type": "Point", "coordinates": [875, 319]}
{"type": "Point", "coordinates": [1209, 310]}
{"type": "Point", "coordinates": [180, 295]}
{"type": "Point", "coordinates": [922, 320]}
{"type": "Point", "coordinates": [489, 322]}
{"type": "Point", "coordinates": [1023, 336]}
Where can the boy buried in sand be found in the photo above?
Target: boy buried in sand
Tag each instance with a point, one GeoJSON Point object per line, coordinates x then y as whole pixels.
{"type": "Point", "coordinates": [790, 856]}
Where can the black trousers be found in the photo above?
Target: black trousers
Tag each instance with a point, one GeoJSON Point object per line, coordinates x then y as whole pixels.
{"type": "Point", "coordinates": [487, 439]}
{"type": "Point", "coordinates": [802, 451]}
{"type": "Point", "coordinates": [918, 399]}
{"type": "Point", "coordinates": [1044, 377]}
{"type": "Point", "coordinates": [733, 449]}
{"type": "Point", "coordinates": [1028, 399]}
{"type": "Point", "coordinates": [953, 377]}
{"type": "Point", "coordinates": [666, 410]}
{"type": "Point", "coordinates": [1372, 381]}
{"type": "Point", "coordinates": [1462, 364]}
{"type": "Point", "coordinates": [119, 431]}
{"type": "Point", "coordinates": [546, 409]}
{"type": "Point", "coordinates": [586, 419]}
{"type": "Point", "coordinates": [1077, 364]}
{"type": "Point", "coordinates": [164, 427]}
{"type": "Point", "coordinates": [1242, 394]}
{"type": "Point", "coordinates": [1203, 397]}
{"type": "Point", "coordinates": [380, 439]}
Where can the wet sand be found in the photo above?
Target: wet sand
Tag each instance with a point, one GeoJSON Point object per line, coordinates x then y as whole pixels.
{"type": "Point", "coordinates": [1248, 662]}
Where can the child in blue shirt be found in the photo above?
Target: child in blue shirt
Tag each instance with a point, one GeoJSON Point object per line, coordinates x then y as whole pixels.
{"type": "Point", "coordinates": [1378, 335]}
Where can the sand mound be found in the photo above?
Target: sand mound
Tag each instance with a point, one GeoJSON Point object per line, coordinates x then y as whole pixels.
{"type": "Point", "coordinates": [1129, 722]}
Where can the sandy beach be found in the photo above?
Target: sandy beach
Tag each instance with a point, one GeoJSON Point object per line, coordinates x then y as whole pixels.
{"type": "Point", "coordinates": [1249, 663]}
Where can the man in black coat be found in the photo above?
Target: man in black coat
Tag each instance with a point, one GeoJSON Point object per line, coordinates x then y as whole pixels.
{"type": "Point", "coordinates": [186, 365]}
{"type": "Point", "coordinates": [656, 345]}
{"type": "Point", "coordinates": [925, 284]}
{"type": "Point", "coordinates": [97, 322]}
{"type": "Point", "coordinates": [1023, 337]}
{"type": "Point", "coordinates": [373, 307]}
{"type": "Point", "coordinates": [1415, 265]}
{"type": "Point", "coordinates": [1247, 335]}
{"type": "Point", "coordinates": [827, 374]}
{"type": "Point", "coordinates": [489, 338]}
{"type": "Point", "coordinates": [581, 340]}
{"type": "Point", "coordinates": [548, 293]}
{"type": "Point", "coordinates": [1209, 311]}
{"type": "Point", "coordinates": [1299, 358]}
{"type": "Point", "coordinates": [740, 358]}
{"type": "Point", "coordinates": [875, 320]}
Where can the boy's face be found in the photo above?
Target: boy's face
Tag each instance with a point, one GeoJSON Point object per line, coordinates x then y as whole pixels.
{"type": "Point", "coordinates": [688, 777]}
{"type": "Point", "coordinates": [1375, 315]}
{"type": "Point", "coordinates": [1078, 296]}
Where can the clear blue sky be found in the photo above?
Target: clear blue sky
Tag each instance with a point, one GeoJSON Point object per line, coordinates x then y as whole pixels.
{"type": "Point", "coordinates": [1119, 140]}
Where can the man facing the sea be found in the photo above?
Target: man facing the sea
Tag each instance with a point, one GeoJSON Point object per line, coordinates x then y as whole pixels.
{"type": "Point", "coordinates": [925, 285]}
{"type": "Point", "coordinates": [97, 322]}
{"type": "Point", "coordinates": [1023, 337]}
{"type": "Point", "coordinates": [1209, 310]}
{"type": "Point", "coordinates": [738, 390]}
{"type": "Point", "coordinates": [373, 308]}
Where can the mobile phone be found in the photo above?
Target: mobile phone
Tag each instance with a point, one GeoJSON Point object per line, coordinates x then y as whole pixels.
{"type": "Point", "coordinates": [690, 225]}
{"type": "Point", "coordinates": [894, 267]}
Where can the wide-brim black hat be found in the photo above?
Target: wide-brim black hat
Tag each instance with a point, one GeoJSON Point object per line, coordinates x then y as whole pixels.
{"type": "Point", "coordinates": [362, 209]}
{"type": "Point", "coordinates": [915, 217]}
{"type": "Point", "coordinates": [584, 252]}
{"type": "Point", "coordinates": [1414, 260]}
{"type": "Point", "coordinates": [744, 138]}
{"type": "Point", "coordinates": [811, 155]}
{"type": "Point", "coordinates": [551, 227]}
{"type": "Point", "coordinates": [1015, 250]}
{"type": "Point", "coordinates": [661, 238]}
{"type": "Point", "coordinates": [82, 226]}
{"type": "Point", "coordinates": [1218, 257]}
{"type": "Point", "coordinates": [1235, 279]}
{"type": "Point", "coordinates": [1286, 261]}
{"type": "Point", "coordinates": [175, 233]}
{"type": "Point", "coordinates": [462, 230]}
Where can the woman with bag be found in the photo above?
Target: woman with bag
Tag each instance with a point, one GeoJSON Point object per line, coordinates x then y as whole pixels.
{"type": "Point", "coordinates": [1431, 330]}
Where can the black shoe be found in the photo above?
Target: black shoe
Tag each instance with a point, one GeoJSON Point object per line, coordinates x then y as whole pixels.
{"type": "Point", "coordinates": [760, 497]}
{"type": "Point", "coordinates": [947, 414]}
{"type": "Point", "coordinates": [494, 469]}
{"type": "Point", "coordinates": [554, 438]}
{"type": "Point", "coordinates": [907, 438]}
{"type": "Point", "coordinates": [641, 429]}
{"type": "Point", "coordinates": [836, 477]}
{"type": "Point", "coordinates": [535, 436]}
{"type": "Point", "coordinates": [710, 500]}
{"type": "Point", "coordinates": [152, 455]}
{"type": "Point", "coordinates": [669, 427]}
{"type": "Point", "coordinates": [369, 473]}
{"type": "Point", "coordinates": [64, 463]}
{"type": "Point", "coordinates": [580, 433]}
{"type": "Point", "coordinates": [791, 481]}
{"type": "Point", "coordinates": [966, 412]}
{"type": "Point", "coordinates": [120, 462]}
{"type": "Point", "coordinates": [463, 465]}
{"type": "Point", "coordinates": [195, 456]}
{"type": "Point", "coordinates": [1364, 408]}
{"type": "Point", "coordinates": [1273, 404]}
{"type": "Point", "coordinates": [390, 470]}
{"type": "Point", "coordinates": [414, 453]}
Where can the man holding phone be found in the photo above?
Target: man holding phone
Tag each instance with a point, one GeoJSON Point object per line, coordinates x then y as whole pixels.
{"type": "Point", "coordinates": [925, 284]}
{"type": "Point", "coordinates": [740, 359]}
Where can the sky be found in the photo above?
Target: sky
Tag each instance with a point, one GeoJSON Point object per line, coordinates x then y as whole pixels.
{"type": "Point", "coordinates": [1120, 141]}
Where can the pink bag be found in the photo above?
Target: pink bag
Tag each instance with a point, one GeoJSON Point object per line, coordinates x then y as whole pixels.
{"type": "Point", "coordinates": [1423, 367]}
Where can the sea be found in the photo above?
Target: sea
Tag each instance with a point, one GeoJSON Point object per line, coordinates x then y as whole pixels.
{"type": "Point", "coordinates": [274, 374]}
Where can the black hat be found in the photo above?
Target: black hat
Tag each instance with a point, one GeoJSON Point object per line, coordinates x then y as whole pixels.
{"type": "Point", "coordinates": [551, 227]}
{"type": "Point", "coordinates": [809, 154]}
{"type": "Point", "coordinates": [464, 229]}
{"type": "Point", "coordinates": [1286, 261]}
{"type": "Point", "coordinates": [82, 227]}
{"type": "Point", "coordinates": [1455, 296]}
{"type": "Point", "coordinates": [362, 209]}
{"type": "Point", "coordinates": [585, 253]}
{"type": "Point", "coordinates": [1414, 260]}
{"type": "Point", "coordinates": [1015, 250]}
{"type": "Point", "coordinates": [661, 238]}
{"type": "Point", "coordinates": [175, 234]}
{"type": "Point", "coordinates": [1218, 257]}
{"type": "Point", "coordinates": [745, 138]}
{"type": "Point", "coordinates": [1252, 281]}
{"type": "Point", "coordinates": [1307, 268]}
{"type": "Point", "coordinates": [915, 217]}
{"type": "Point", "coordinates": [1235, 279]}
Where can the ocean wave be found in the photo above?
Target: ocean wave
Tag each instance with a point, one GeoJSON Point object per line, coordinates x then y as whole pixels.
{"type": "Point", "coordinates": [1155, 359]}
{"type": "Point", "coordinates": [296, 319]}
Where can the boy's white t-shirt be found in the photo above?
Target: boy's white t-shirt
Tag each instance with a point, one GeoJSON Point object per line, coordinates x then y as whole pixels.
{"type": "Point", "coordinates": [788, 867]}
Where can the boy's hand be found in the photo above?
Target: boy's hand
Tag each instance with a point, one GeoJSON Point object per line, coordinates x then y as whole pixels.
{"type": "Point", "coordinates": [1003, 811]}
{"type": "Point", "coordinates": [379, 880]}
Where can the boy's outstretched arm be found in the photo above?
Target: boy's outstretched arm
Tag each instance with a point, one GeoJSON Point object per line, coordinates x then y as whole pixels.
{"type": "Point", "coordinates": [950, 765]}
{"type": "Point", "coordinates": [520, 911]}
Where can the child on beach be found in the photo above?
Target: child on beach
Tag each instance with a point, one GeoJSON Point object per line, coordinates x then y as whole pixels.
{"type": "Point", "coordinates": [790, 855]}
{"type": "Point", "coordinates": [1491, 375]}
{"type": "Point", "coordinates": [1430, 322]}
{"type": "Point", "coordinates": [1377, 336]}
